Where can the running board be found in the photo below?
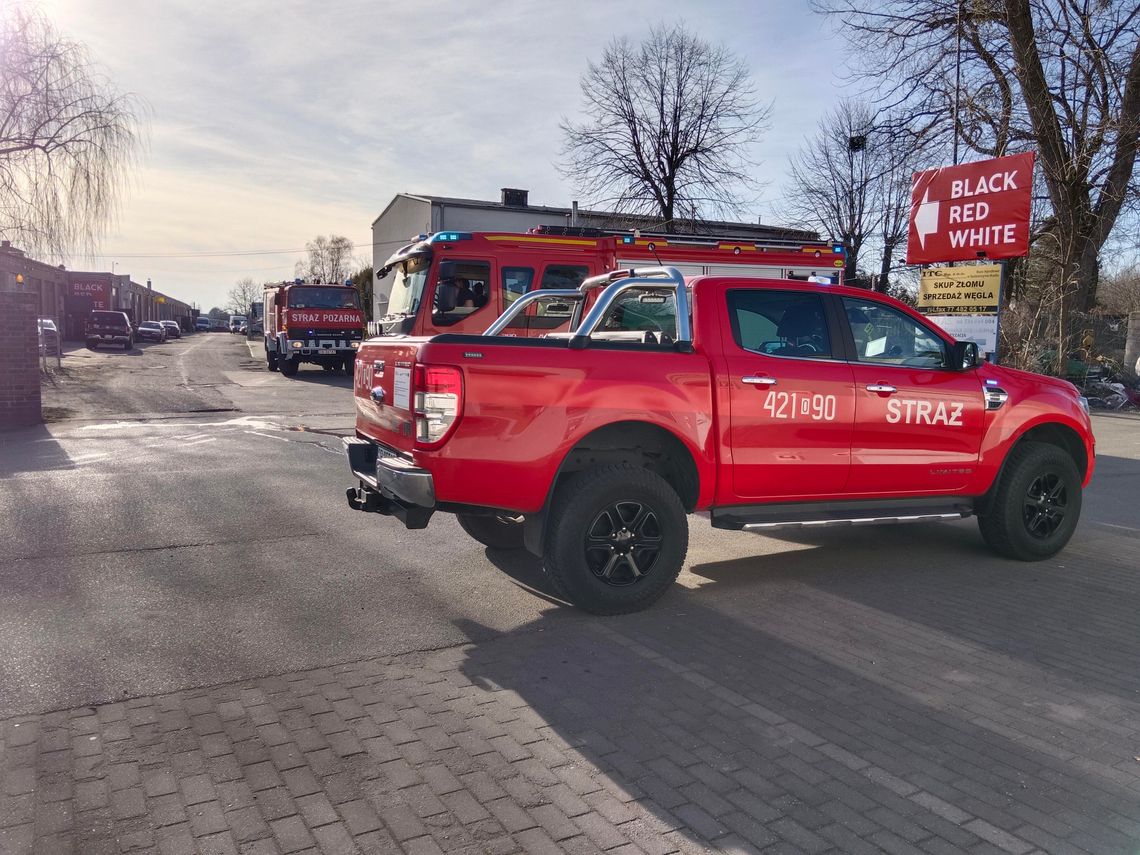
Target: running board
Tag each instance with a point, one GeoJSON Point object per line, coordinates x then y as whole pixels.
{"type": "Point", "coordinates": [819, 514]}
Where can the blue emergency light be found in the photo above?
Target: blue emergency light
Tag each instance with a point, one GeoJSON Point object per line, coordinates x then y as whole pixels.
{"type": "Point", "coordinates": [449, 237]}
{"type": "Point", "coordinates": [627, 239]}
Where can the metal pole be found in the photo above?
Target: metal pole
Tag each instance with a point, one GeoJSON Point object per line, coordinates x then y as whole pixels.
{"type": "Point", "coordinates": [957, 75]}
{"type": "Point", "coordinates": [1001, 291]}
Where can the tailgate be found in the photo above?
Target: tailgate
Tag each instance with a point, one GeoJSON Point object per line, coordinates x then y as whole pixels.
{"type": "Point", "coordinates": [382, 391]}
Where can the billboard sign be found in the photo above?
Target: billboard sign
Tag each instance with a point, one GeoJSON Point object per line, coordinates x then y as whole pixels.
{"type": "Point", "coordinates": [975, 210]}
{"type": "Point", "coordinates": [971, 289]}
{"type": "Point", "coordinates": [980, 329]}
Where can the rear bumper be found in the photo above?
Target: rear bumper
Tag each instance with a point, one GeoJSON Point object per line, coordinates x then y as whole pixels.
{"type": "Point", "coordinates": [388, 483]}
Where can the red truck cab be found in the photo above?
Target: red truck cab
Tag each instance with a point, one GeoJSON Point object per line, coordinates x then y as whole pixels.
{"type": "Point", "coordinates": [318, 324]}
{"type": "Point", "coordinates": [763, 402]}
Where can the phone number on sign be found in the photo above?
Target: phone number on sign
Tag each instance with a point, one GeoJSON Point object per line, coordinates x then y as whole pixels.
{"type": "Point", "coordinates": [792, 405]}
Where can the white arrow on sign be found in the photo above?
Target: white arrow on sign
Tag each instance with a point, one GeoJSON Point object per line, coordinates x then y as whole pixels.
{"type": "Point", "coordinates": [926, 218]}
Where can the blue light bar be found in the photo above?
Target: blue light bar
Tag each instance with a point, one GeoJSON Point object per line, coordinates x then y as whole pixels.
{"type": "Point", "coordinates": [627, 239]}
{"type": "Point", "coordinates": [837, 249]}
{"type": "Point", "coordinates": [448, 237]}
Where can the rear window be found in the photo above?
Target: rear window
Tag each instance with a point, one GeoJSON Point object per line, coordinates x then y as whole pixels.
{"type": "Point", "coordinates": [109, 318]}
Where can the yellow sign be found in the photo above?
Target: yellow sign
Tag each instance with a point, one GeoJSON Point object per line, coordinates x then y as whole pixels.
{"type": "Point", "coordinates": [970, 289]}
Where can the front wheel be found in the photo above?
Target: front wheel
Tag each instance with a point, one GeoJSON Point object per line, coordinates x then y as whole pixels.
{"type": "Point", "coordinates": [618, 538]}
{"type": "Point", "coordinates": [289, 367]}
{"type": "Point", "coordinates": [1036, 504]}
{"type": "Point", "coordinates": [499, 532]}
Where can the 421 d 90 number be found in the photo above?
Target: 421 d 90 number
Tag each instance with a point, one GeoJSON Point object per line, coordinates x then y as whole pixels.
{"type": "Point", "coordinates": [797, 405]}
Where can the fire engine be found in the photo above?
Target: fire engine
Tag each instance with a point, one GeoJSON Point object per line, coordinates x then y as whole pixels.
{"type": "Point", "coordinates": [321, 324]}
{"type": "Point", "coordinates": [460, 282]}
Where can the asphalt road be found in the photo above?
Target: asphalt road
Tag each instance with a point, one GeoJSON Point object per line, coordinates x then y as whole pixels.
{"type": "Point", "coordinates": [182, 523]}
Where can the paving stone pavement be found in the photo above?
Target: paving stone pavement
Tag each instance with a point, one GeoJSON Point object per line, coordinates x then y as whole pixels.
{"type": "Point", "coordinates": [832, 725]}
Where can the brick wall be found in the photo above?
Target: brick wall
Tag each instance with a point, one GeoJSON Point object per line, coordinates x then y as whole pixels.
{"type": "Point", "coordinates": [19, 360]}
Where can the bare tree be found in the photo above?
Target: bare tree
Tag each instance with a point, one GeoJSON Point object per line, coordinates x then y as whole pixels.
{"type": "Point", "coordinates": [851, 181]}
{"type": "Point", "coordinates": [67, 139]}
{"type": "Point", "coordinates": [244, 292]}
{"type": "Point", "coordinates": [1058, 76]}
{"type": "Point", "coordinates": [329, 260]}
{"type": "Point", "coordinates": [668, 128]}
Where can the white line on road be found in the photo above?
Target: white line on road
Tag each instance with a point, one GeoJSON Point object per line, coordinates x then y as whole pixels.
{"type": "Point", "coordinates": [200, 441]}
{"type": "Point", "coordinates": [268, 435]}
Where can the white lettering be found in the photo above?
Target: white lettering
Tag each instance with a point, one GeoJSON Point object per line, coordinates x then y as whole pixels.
{"type": "Point", "coordinates": [894, 412]}
{"type": "Point", "coordinates": [995, 183]}
{"type": "Point", "coordinates": [918, 412]}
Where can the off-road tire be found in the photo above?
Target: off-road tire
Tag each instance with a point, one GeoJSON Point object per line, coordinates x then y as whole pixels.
{"type": "Point", "coordinates": [289, 367]}
{"type": "Point", "coordinates": [589, 504]}
{"type": "Point", "coordinates": [498, 532]}
{"type": "Point", "coordinates": [1035, 505]}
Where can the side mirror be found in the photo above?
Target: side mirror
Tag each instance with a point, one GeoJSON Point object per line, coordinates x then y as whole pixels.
{"type": "Point", "coordinates": [965, 355]}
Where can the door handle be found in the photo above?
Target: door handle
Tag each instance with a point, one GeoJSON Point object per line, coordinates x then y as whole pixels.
{"type": "Point", "coordinates": [881, 387]}
{"type": "Point", "coordinates": [759, 381]}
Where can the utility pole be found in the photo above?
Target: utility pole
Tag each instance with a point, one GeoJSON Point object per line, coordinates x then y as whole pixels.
{"type": "Point", "coordinates": [957, 74]}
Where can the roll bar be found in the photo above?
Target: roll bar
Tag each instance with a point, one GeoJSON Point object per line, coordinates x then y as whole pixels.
{"type": "Point", "coordinates": [616, 283]}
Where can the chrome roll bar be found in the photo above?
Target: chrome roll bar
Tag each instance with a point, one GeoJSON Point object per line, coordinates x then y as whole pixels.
{"type": "Point", "coordinates": [616, 283]}
{"type": "Point", "coordinates": [527, 299]}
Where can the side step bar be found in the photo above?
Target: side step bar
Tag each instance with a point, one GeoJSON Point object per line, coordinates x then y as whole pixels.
{"type": "Point", "coordinates": [820, 514]}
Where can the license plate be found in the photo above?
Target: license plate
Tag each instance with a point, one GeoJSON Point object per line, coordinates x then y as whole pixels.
{"type": "Point", "coordinates": [108, 336]}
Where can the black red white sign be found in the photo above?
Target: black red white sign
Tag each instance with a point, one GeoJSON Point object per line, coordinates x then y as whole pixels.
{"type": "Point", "coordinates": [975, 210]}
{"type": "Point", "coordinates": [99, 292]}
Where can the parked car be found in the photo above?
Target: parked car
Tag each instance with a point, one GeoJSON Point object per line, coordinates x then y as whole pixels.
{"type": "Point", "coordinates": [49, 336]}
{"type": "Point", "coordinates": [108, 327]}
{"type": "Point", "coordinates": [172, 329]}
{"type": "Point", "coordinates": [152, 331]}
{"type": "Point", "coordinates": [202, 324]}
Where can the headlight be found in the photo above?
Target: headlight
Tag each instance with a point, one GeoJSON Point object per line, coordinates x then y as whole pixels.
{"type": "Point", "coordinates": [297, 344]}
{"type": "Point", "coordinates": [1084, 402]}
{"type": "Point", "coordinates": [355, 345]}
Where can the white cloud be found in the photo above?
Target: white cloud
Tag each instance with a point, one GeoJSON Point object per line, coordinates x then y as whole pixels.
{"type": "Point", "coordinates": [274, 122]}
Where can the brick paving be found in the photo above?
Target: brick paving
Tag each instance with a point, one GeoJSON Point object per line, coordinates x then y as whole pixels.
{"type": "Point", "coordinates": [850, 714]}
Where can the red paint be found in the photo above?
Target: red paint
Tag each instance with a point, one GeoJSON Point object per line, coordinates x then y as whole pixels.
{"type": "Point", "coordinates": [99, 292]}
{"type": "Point", "coordinates": [524, 407]}
{"type": "Point", "coordinates": [975, 210]}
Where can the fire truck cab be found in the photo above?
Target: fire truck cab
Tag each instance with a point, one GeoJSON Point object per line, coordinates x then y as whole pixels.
{"type": "Point", "coordinates": [460, 282]}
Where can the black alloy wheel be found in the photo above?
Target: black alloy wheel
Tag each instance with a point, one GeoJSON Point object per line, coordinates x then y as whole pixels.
{"type": "Point", "coordinates": [1046, 501]}
{"type": "Point", "coordinates": [623, 543]}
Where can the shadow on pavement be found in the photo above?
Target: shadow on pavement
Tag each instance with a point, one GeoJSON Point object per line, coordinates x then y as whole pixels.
{"type": "Point", "coordinates": [710, 730]}
{"type": "Point", "coordinates": [31, 449]}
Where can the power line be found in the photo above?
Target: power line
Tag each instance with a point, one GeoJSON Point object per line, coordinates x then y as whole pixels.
{"type": "Point", "coordinates": [234, 253]}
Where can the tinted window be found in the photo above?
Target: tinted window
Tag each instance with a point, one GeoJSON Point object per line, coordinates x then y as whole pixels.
{"type": "Point", "coordinates": [780, 323]}
{"type": "Point", "coordinates": [564, 276]}
{"type": "Point", "coordinates": [635, 312]}
{"type": "Point", "coordinates": [889, 337]}
{"type": "Point", "coordinates": [516, 282]}
{"type": "Point", "coordinates": [462, 288]}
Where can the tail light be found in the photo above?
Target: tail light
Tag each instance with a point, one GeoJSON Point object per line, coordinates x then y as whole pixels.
{"type": "Point", "coordinates": [438, 403]}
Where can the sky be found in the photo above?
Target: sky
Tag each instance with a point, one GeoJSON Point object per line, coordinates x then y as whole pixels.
{"type": "Point", "coordinates": [270, 123]}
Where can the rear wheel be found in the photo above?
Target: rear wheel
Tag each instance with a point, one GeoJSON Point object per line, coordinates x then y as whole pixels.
{"type": "Point", "coordinates": [289, 366]}
{"type": "Point", "coordinates": [1036, 504]}
{"type": "Point", "coordinates": [618, 539]}
{"type": "Point", "coordinates": [503, 531]}
{"type": "Point", "coordinates": [270, 360]}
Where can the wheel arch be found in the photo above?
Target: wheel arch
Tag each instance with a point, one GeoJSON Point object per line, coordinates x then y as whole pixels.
{"type": "Point", "coordinates": [643, 444]}
{"type": "Point", "coordinates": [1059, 434]}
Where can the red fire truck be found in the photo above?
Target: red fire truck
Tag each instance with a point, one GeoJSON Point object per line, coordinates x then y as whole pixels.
{"type": "Point", "coordinates": [321, 324]}
{"type": "Point", "coordinates": [460, 282]}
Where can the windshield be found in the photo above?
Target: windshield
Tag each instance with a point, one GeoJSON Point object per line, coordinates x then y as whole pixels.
{"type": "Point", "coordinates": [323, 298]}
{"type": "Point", "coordinates": [408, 287]}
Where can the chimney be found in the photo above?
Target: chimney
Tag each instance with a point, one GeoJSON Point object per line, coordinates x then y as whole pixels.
{"type": "Point", "coordinates": [574, 213]}
{"type": "Point", "coordinates": [513, 198]}
{"type": "Point", "coordinates": [149, 287]}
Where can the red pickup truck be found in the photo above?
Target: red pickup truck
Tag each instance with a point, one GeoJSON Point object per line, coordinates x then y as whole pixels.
{"type": "Point", "coordinates": [763, 402]}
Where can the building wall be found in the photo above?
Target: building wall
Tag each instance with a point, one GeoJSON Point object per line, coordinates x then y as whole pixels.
{"type": "Point", "coordinates": [453, 217]}
{"type": "Point", "coordinates": [47, 283]}
{"type": "Point", "coordinates": [19, 359]}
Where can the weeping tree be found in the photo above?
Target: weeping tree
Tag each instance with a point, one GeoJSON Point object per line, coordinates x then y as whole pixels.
{"type": "Point", "coordinates": [667, 130]}
{"type": "Point", "coordinates": [67, 139]}
{"type": "Point", "coordinates": [1061, 77]}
